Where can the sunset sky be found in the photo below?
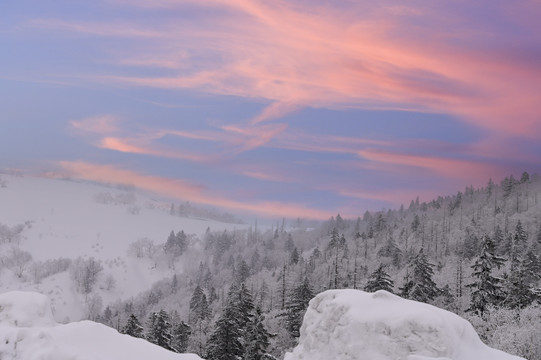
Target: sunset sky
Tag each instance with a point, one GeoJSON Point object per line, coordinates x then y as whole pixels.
{"type": "Point", "coordinates": [273, 108]}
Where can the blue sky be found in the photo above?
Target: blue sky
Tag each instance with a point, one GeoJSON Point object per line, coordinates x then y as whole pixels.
{"type": "Point", "coordinates": [275, 108]}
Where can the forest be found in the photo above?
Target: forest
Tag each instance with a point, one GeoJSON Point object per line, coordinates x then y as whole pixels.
{"type": "Point", "coordinates": [243, 293]}
{"type": "Point", "coordinates": [475, 253]}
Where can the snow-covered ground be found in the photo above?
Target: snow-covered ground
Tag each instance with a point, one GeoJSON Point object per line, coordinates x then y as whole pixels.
{"type": "Point", "coordinates": [355, 325]}
{"type": "Point", "coordinates": [70, 219]}
{"type": "Point", "coordinates": [28, 331]}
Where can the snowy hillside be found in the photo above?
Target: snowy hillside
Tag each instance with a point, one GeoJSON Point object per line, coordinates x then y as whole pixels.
{"type": "Point", "coordinates": [28, 331]}
{"type": "Point", "coordinates": [355, 325]}
{"type": "Point", "coordinates": [61, 219]}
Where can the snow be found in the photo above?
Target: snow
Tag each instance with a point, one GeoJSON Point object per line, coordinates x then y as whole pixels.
{"type": "Point", "coordinates": [70, 219]}
{"type": "Point", "coordinates": [356, 325]}
{"type": "Point", "coordinates": [29, 332]}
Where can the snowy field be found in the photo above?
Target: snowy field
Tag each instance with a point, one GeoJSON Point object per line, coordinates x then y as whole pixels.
{"type": "Point", "coordinates": [69, 219]}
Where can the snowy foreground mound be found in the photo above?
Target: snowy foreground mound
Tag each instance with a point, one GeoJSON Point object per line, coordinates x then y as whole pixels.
{"type": "Point", "coordinates": [28, 332]}
{"type": "Point", "coordinates": [355, 325]}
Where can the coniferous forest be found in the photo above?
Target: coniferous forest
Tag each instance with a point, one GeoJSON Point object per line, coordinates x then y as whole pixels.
{"type": "Point", "coordinates": [242, 294]}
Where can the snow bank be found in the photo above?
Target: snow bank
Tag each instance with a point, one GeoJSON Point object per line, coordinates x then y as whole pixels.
{"type": "Point", "coordinates": [355, 325]}
{"type": "Point", "coordinates": [28, 332]}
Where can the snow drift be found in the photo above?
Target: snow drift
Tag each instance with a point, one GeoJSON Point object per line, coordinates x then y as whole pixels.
{"type": "Point", "coordinates": [28, 332]}
{"type": "Point", "coordinates": [355, 325]}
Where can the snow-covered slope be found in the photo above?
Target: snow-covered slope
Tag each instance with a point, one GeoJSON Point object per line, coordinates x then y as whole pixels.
{"type": "Point", "coordinates": [355, 325]}
{"type": "Point", "coordinates": [29, 332]}
{"type": "Point", "coordinates": [69, 219]}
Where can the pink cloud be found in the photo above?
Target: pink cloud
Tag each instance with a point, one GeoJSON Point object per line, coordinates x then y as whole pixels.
{"type": "Point", "coordinates": [183, 190]}
{"type": "Point", "coordinates": [395, 197]}
{"type": "Point", "coordinates": [132, 146]}
{"type": "Point", "coordinates": [357, 56]}
{"type": "Point", "coordinates": [451, 168]}
{"type": "Point", "coordinates": [103, 124]}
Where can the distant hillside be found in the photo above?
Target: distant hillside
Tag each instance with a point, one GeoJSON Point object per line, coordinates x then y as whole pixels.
{"type": "Point", "coordinates": [49, 227]}
{"type": "Point", "coordinates": [475, 253]}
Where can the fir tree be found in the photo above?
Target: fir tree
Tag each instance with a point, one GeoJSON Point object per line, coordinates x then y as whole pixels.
{"type": "Point", "coordinates": [133, 327]}
{"type": "Point", "coordinates": [175, 244]}
{"type": "Point", "coordinates": [296, 306]}
{"type": "Point", "coordinates": [229, 338]}
{"type": "Point", "coordinates": [180, 335]}
{"type": "Point", "coordinates": [198, 319]}
{"type": "Point", "coordinates": [258, 338]}
{"type": "Point", "coordinates": [379, 280]}
{"type": "Point", "coordinates": [199, 309]}
{"type": "Point", "coordinates": [294, 257]}
{"type": "Point", "coordinates": [225, 341]}
{"type": "Point", "coordinates": [159, 329]}
{"type": "Point", "coordinates": [486, 290]}
{"type": "Point", "coordinates": [520, 242]}
{"type": "Point", "coordinates": [522, 281]}
{"type": "Point", "coordinates": [420, 287]}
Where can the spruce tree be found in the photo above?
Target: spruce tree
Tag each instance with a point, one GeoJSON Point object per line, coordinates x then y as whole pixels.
{"type": "Point", "coordinates": [521, 284]}
{"type": "Point", "coordinates": [379, 280]}
{"type": "Point", "coordinates": [257, 338]}
{"type": "Point", "coordinates": [486, 289]}
{"type": "Point", "coordinates": [296, 306]}
{"type": "Point", "coordinates": [520, 241]}
{"type": "Point", "coordinates": [199, 309]}
{"type": "Point", "coordinates": [133, 327]}
{"type": "Point", "coordinates": [180, 335]}
{"type": "Point", "coordinates": [420, 287]}
{"type": "Point", "coordinates": [229, 338]}
{"type": "Point", "coordinates": [159, 329]}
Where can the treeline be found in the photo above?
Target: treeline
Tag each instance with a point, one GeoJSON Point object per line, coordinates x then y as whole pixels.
{"type": "Point", "coordinates": [475, 253]}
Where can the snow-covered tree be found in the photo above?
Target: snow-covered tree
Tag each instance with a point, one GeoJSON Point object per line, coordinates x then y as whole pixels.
{"type": "Point", "coordinates": [228, 339]}
{"type": "Point", "coordinates": [133, 327]}
{"type": "Point", "coordinates": [486, 289]}
{"type": "Point", "coordinates": [296, 305]}
{"type": "Point", "coordinates": [379, 280]}
{"type": "Point", "coordinates": [420, 286]}
{"type": "Point", "coordinates": [159, 329]}
{"type": "Point", "coordinates": [180, 333]}
{"type": "Point", "coordinates": [257, 338]}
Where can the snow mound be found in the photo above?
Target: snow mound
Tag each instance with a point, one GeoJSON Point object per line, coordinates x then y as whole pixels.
{"type": "Point", "coordinates": [25, 309]}
{"type": "Point", "coordinates": [28, 332]}
{"type": "Point", "coordinates": [355, 325]}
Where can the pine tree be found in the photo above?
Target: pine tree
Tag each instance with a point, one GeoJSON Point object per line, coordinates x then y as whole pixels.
{"type": "Point", "coordinates": [379, 280]}
{"type": "Point", "coordinates": [198, 319]}
{"type": "Point", "coordinates": [258, 338]}
{"type": "Point", "coordinates": [522, 281]}
{"type": "Point", "coordinates": [199, 309]}
{"type": "Point", "coordinates": [486, 290]}
{"type": "Point", "coordinates": [420, 287]}
{"type": "Point", "coordinates": [225, 341]}
{"type": "Point", "coordinates": [296, 306]}
{"type": "Point", "coordinates": [180, 335]}
{"type": "Point", "coordinates": [294, 257]}
{"type": "Point", "coordinates": [159, 329]}
{"type": "Point", "coordinates": [520, 242]}
{"type": "Point", "coordinates": [176, 243]}
{"type": "Point", "coordinates": [229, 338]}
{"type": "Point", "coordinates": [133, 327]}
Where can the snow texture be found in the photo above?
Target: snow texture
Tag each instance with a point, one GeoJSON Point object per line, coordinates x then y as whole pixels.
{"type": "Point", "coordinates": [29, 332]}
{"type": "Point", "coordinates": [67, 219]}
{"type": "Point", "coordinates": [356, 325]}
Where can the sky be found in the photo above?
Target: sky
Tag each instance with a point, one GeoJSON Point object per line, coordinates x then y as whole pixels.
{"type": "Point", "coordinates": [274, 108]}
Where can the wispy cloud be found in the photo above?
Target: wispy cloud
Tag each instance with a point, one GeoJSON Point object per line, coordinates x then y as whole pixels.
{"type": "Point", "coordinates": [102, 124]}
{"type": "Point", "coordinates": [334, 57]}
{"type": "Point", "coordinates": [447, 167]}
{"type": "Point", "coordinates": [184, 190]}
